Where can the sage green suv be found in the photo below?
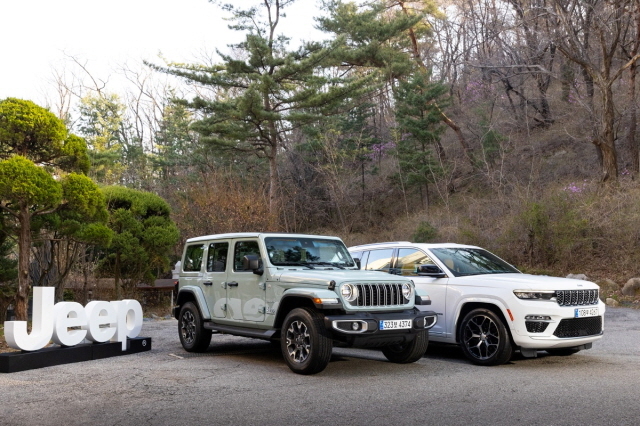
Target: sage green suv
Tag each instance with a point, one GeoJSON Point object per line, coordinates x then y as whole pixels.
{"type": "Point", "coordinates": [304, 291]}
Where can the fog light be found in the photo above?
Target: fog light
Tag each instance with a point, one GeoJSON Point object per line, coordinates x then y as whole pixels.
{"type": "Point", "coordinates": [537, 318]}
{"type": "Point", "coordinates": [355, 326]}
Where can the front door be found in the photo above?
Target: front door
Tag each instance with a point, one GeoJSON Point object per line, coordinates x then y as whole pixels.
{"type": "Point", "coordinates": [407, 263]}
{"type": "Point", "coordinates": [245, 290]}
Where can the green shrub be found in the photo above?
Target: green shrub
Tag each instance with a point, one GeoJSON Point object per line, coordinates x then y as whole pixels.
{"type": "Point", "coordinates": [425, 232]}
{"type": "Point", "coordinates": [555, 230]}
{"type": "Point", "coordinates": [69, 295]}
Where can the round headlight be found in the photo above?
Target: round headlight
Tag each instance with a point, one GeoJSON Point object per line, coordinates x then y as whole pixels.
{"type": "Point", "coordinates": [349, 292]}
{"type": "Point", "coordinates": [406, 291]}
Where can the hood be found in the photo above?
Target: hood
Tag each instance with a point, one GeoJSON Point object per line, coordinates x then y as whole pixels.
{"type": "Point", "coordinates": [323, 277]}
{"type": "Point", "coordinates": [524, 282]}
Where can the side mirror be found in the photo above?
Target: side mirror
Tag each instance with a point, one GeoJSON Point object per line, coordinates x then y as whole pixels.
{"type": "Point", "coordinates": [357, 260]}
{"type": "Point", "coordinates": [430, 270]}
{"type": "Point", "coordinates": [252, 262]}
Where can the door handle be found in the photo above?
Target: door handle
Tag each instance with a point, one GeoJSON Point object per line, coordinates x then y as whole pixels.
{"type": "Point", "coordinates": [207, 283]}
{"type": "Point", "coordinates": [232, 284]}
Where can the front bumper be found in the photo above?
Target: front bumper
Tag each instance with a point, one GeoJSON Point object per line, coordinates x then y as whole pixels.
{"type": "Point", "coordinates": [558, 330]}
{"type": "Point", "coordinates": [362, 329]}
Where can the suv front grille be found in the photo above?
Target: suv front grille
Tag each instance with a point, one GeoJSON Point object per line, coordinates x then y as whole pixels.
{"type": "Point", "coordinates": [576, 297]}
{"type": "Point", "coordinates": [378, 295]}
{"type": "Point", "coordinates": [579, 327]}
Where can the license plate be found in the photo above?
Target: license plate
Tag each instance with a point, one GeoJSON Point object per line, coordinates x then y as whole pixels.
{"type": "Point", "coordinates": [586, 312]}
{"type": "Point", "coordinates": [395, 324]}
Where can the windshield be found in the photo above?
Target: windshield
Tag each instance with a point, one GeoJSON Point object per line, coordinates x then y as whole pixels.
{"type": "Point", "coordinates": [472, 261]}
{"type": "Point", "coordinates": [288, 251]}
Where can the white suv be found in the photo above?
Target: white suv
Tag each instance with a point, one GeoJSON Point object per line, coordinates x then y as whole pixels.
{"type": "Point", "coordinates": [487, 306]}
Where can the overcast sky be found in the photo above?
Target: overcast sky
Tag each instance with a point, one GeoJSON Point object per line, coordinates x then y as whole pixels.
{"type": "Point", "coordinates": [38, 36]}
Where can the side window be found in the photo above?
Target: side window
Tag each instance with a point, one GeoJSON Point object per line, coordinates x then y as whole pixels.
{"type": "Point", "coordinates": [409, 259]}
{"type": "Point", "coordinates": [363, 259]}
{"type": "Point", "coordinates": [379, 260]}
{"type": "Point", "coordinates": [193, 258]}
{"type": "Point", "coordinates": [357, 255]}
{"type": "Point", "coordinates": [241, 249]}
{"type": "Point", "coordinates": [217, 257]}
{"type": "Point", "coordinates": [361, 256]}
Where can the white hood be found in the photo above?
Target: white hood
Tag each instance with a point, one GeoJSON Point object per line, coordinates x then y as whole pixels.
{"type": "Point", "coordinates": [324, 276]}
{"type": "Point", "coordinates": [524, 282]}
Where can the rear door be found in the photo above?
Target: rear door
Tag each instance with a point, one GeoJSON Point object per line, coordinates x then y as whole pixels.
{"type": "Point", "coordinates": [215, 277]}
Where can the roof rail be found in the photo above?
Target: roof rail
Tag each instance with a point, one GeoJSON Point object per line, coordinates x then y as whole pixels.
{"type": "Point", "coordinates": [387, 242]}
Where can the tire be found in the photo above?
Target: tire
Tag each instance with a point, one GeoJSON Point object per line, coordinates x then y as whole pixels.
{"type": "Point", "coordinates": [484, 338]}
{"type": "Point", "coordinates": [193, 336]}
{"type": "Point", "coordinates": [408, 352]}
{"type": "Point", "coordinates": [562, 351]}
{"type": "Point", "coordinates": [304, 343]}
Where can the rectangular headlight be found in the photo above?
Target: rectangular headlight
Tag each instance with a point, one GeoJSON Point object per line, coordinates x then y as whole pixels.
{"type": "Point", "coordinates": [534, 295]}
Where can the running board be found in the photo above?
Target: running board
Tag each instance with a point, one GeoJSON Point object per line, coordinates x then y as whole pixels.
{"type": "Point", "coordinates": [240, 331]}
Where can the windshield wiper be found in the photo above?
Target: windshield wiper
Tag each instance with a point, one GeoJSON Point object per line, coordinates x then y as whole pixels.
{"type": "Point", "coordinates": [307, 264]}
{"type": "Point", "coordinates": [329, 263]}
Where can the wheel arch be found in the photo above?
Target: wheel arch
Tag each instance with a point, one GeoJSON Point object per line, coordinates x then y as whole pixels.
{"type": "Point", "coordinates": [470, 306]}
{"type": "Point", "coordinates": [192, 294]}
{"type": "Point", "coordinates": [287, 304]}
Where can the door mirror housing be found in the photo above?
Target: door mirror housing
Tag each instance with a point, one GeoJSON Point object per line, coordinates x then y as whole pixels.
{"type": "Point", "coordinates": [253, 263]}
{"type": "Point", "coordinates": [430, 270]}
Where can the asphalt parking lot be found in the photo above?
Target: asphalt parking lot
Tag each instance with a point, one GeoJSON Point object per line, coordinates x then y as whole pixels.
{"type": "Point", "coordinates": [242, 381]}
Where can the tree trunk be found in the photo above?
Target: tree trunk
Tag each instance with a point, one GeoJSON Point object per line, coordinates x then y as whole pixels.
{"type": "Point", "coordinates": [24, 257]}
{"type": "Point", "coordinates": [606, 141]}
{"type": "Point", "coordinates": [4, 305]}
{"type": "Point", "coordinates": [446, 120]}
{"type": "Point", "coordinates": [116, 277]}
{"type": "Point", "coordinates": [426, 198]}
{"type": "Point", "coordinates": [609, 162]}
{"type": "Point", "coordinates": [632, 146]}
{"type": "Point", "coordinates": [85, 285]}
{"type": "Point", "coordinates": [273, 182]}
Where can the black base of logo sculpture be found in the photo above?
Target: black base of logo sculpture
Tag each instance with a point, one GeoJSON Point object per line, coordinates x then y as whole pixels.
{"type": "Point", "coordinates": [12, 362]}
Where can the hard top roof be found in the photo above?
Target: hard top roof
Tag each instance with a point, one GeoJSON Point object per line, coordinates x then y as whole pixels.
{"type": "Point", "coordinates": [237, 235]}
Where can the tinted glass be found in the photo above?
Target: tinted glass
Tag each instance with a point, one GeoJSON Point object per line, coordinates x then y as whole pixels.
{"type": "Point", "coordinates": [193, 258]}
{"type": "Point", "coordinates": [409, 260]}
{"type": "Point", "coordinates": [294, 251]}
{"type": "Point", "coordinates": [379, 260]}
{"type": "Point", "coordinates": [217, 257]}
{"type": "Point", "coordinates": [469, 261]}
{"type": "Point", "coordinates": [243, 248]}
{"type": "Point", "coordinates": [356, 255]}
{"type": "Point", "coordinates": [363, 259]}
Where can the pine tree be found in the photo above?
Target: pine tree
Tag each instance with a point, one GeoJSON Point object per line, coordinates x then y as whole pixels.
{"type": "Point", "coordinates": [33, 178]}
{"type": "Point", "coordinates": [419, 120]}
{"type": "Point", "coordinates": [267, 89]}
